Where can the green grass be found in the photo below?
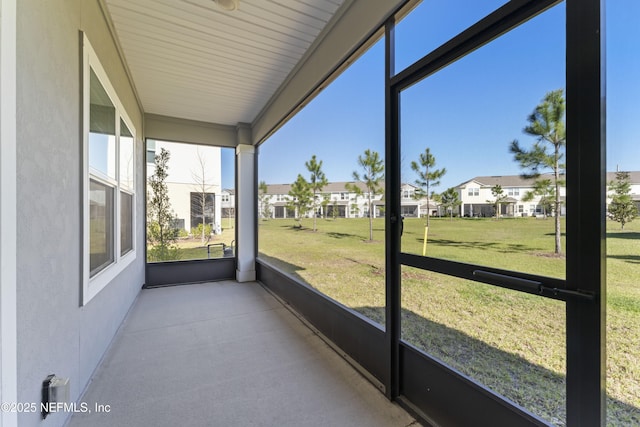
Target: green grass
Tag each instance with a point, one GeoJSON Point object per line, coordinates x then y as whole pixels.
{"type": "Point", "coordinates": [193, 248]}
{"type": "Point", "coordinates": [512, 342]}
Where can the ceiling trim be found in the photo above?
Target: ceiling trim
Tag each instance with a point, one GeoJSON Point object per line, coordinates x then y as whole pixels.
{"type": "Point", "coordinates": [174, 129]}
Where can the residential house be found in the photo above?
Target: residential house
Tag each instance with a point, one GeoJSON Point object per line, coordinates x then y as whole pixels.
{"type": "Point", "coordinates": [336, 200]}
{"type": "Point", "coordinates": [477, 199]}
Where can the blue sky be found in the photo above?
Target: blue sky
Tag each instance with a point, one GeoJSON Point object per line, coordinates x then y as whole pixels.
{"type": "Point", "coordinates": [467, 113]}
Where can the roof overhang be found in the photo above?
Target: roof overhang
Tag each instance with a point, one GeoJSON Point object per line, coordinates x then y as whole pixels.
{"type": "Point", "coordinates": [197, 67]}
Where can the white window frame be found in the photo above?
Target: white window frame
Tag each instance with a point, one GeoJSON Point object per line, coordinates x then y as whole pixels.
{"type": "Point", "coordinates": [91, 286]}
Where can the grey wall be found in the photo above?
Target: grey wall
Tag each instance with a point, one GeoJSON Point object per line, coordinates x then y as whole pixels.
{"type": "Point", "coordinates": [55, 333]}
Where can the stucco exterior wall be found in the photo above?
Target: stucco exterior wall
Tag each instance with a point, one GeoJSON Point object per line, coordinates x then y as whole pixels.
{"type": "Point", "coordinates": [56, 333]}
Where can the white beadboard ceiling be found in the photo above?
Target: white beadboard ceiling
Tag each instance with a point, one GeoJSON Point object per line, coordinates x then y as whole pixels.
{"type": "Point", "coordinates": [190, 59]}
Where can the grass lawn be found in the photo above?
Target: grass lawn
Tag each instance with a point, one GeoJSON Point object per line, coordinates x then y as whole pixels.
{"type": "Point", "coordinates": [512, 342]}
{"type": "Point", "coordinates": [193, 248]}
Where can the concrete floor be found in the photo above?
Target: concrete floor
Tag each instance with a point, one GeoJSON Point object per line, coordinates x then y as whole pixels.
{"type": "Point", "coordinates": [227, 354]}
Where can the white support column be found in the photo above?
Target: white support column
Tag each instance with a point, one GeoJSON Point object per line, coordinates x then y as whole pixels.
{"type": "Point", "coordinates": [8, 213]}
{"type": "Point", "coordinates": [246, 209]}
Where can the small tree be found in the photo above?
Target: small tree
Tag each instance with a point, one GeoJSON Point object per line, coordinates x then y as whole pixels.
{"type": "Point", "coordinates": [317, 180]}
{"type": "Point", "coordinates": [161, 230]}
{"type": "Point", "coordinates": [372, 175]}
{"type": "Point", "coordinates": [546, 123]}
{"type": "Point", "coordinates": [545, 189]}
{"type": "Point", "coordinates": [300, 198]}
{"type": "Point", "coordinates": [498, 193]}
{"type": "Point", "coordinates": [449, 200]}
{"type": "Point", "coordinates": [326, 199]}
{"type": "Point", "coordinates": [264, 199]}
{"type": "Point", "coordinates": [334, 210]}
{"type": "Point", "coordinates": [428, 176]}
{"type": "Point", "coordinates": [354, 208]}
{"type": "Point", "coordinates": [622, 209]}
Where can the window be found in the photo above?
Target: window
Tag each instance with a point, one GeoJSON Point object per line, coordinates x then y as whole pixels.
{"type": "Point", "coordinates": [101, 201]}
{"type": "Point", "coordinates": [409, 210]}
{"type": "Point", "coordinates": [513, 191]}
{"type": "Point", "coordinates": [126, 222]}
{"type": "Point", "coordinates": [225, 198]}
{"type": "Point", "coordinates": [109, 168]}
{"type": "Point", "coordinates": [344, 196]}
{"type": "Point", "coordinates": [151, 151]}
{"type": "Point", "coordinates": [474, 192]}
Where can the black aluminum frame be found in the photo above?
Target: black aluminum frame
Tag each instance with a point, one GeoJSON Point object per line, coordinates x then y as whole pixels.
{"type": "Point", "coordinates": [421, 383]}
{"type": "Point", "coordinates": [584, 287]}
{"type": "Point", "coordinates": [586, 233]}
{"type": "Point", "coordinates": [169, 273]}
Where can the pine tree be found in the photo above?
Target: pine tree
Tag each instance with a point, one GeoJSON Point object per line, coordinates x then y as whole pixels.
{"type": "Point", "coordinates": [498, 194]}
{"type": "Point", "coordinates": [428, 176]}
{"type": "Point", "coordinates": [450, 200]}
{"type": "Point", "coordinates": [317, 181]}
{"type": "Point", "coordinates": [546, 123]}
{"type": "Point", "coordinates": [622, 208]}
{"type": "Point", "coordinates": [372, 175]}
{"type": "Point", "coordinates": [300, 198]}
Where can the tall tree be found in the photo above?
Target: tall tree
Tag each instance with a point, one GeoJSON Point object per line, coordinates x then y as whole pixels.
{"type": "Point", "coordinates": [317, 180]}
{"type": "Point", "coordinates": [498, 194]}
{"type": "Point", "coordinates": [546, 124]}
{"type": "Point", "coordinates": [371, 176]}
{"type": "Point", "coordinates": [161, 229]}
{"type": "Point", "coordinates": [428, 176]}
{"type": "Point", "coordinates": [622, 208]}
{"type": "Point", "coordinates": [301, 196]}
{"type": "Point", "coordinates": [450, 200]}
{"type": "Point", "coordinates": [204, 200]}
{"type": "Point", "coordinates": [264, 198]}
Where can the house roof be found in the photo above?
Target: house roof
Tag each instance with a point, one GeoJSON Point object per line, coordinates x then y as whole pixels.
{"type": "Point", "coordinates": [502, 180]}
{"type": "Point", "coordinates": [332, 187]}
{"type": "Point", "coordinates": [633, 175]}
{"type": "Point", "coordinates": [518, 181]}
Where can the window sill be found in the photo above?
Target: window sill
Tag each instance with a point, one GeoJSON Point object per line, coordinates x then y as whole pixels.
{"type": "Point", "coordinates": [94, 285]}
